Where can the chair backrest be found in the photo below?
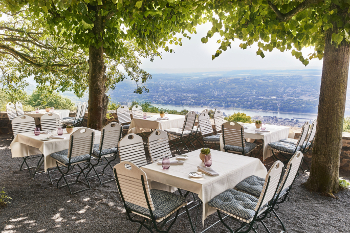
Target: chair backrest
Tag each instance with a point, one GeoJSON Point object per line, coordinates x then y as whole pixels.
{"type": "Point", "coordinates": [131, 149]}
{"type": "Point", "coordinates": [19, 108]}
{"type": "Point", "coordinates": [218, 120]}
{"type": "Point", "coordinates": [291, 171]}
{"type": "Point", "coordinates": [137, 111]}
{"type": "Point", "coordinates": [80, 142]}
{"type": "Point", "coordinates": [189, 121]}
{"type": "Point", "coordinates": [158, 145]}
{"type": "Point", "coordinates": [272, 181]}
{"type": "Point", "coordinates": [23, 124]}
{"type": "Point", "coordinates": [303, 135]}
{"type": "Point", "coordinates": [83, 110]}
{"type": "Point", "coordinates": [11, 111]}
{"type": "Point", "coordinates": [111, 135]}
{"type": "Point", "coordinates": [233, 135]}
{"type": "Point", "coordinates": [77, 115]}
{"type": "Point", "coordinates": [131, 182]}
{"type": "Point", "coordinates": [123, 114]}
{"type": "Point", "coordinates": [312, 132]}
{"type": "Point", "coordinates": [204, 124]}
{"type": "Point", "coordinates": [50, 121]}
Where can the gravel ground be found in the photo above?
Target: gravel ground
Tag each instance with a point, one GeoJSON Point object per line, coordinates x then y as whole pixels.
{"type": "Point", "coordinates": [37, 206]}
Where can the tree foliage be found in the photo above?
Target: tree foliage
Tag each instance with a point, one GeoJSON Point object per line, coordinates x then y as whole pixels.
{"type": "Point", "coordinates": [41, 98]}
{"type": "Point", "coordinates": [239, 117]}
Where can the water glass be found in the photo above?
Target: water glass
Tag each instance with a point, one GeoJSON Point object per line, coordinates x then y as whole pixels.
{"type": "Point", "coordinates": [37, 131]}
{"type": "Point", "coordinates": [37, 110]}
{"type": "Point", "coordinates": [207, 160]}
{"type": "Point", "coordinates": [144, 115]}
{"type": "Point", "coordinates": [52, 109]}
{"type": "Point", "coordinates": [59, 131]}
{"type": "Point", "coordinates": [166, 162]}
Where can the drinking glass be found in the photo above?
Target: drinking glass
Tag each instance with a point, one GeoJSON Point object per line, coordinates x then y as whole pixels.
{"type": "Point", "coordinates": [59, 131]}
{"type": "Point", "coordinates": [166, 162]}
{"type": "Point", "coordinates": [207, 160]}
{"type": "Point", "coordinates": [52, 109]}
{"type": "Point", "coordinates": [37, 110]}
{"type": "Point", "coordinates": [37, 131]}
{"type": "Point", "coordinates": [144, 115]}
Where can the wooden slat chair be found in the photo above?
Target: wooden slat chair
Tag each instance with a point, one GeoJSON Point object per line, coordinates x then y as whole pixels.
{"type": "Point", "coordinates": [246, 208]}
{"type": "Point", "coordinates": [158, 145]}
{"type": "Point", "coordinates": [19, 109]}
{"type": "Point", "coordinates": [288, 149]}
{"type": "Point", "coordinates": [11, 111]}
{"type": "Point", "coordinates": [73, 120]}
{"type": "Point", "coordinates": [154, 206]}
{"type": "Point", "coordinates": [253, 185]}
{"type": "Point", "coordinates": [110, 137]}
{"type": "Point", "coordinates": [234, 140]}
{"type": "Point", "coordinates": [25, 124]}
{"type": "Point", "coordinates": [181, 136]}
{"type": "Point", "coordinates": [218, 120]}
{"type": "Point", "coordinates": [124, 117]}
{"type": "Point", "coordinates": [207, 131]}
{"type": "Point", "coordinates": [50, 121]}
{"type": "Point", "coordinates": [137, 111]}
{"type": "Point", "coordinates": [131, 149]}
{"type": "Point", "coordinates": [79, 152]}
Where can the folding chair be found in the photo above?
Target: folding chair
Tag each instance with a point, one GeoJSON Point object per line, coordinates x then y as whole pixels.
{"type": "Point", "coordinates": [181, 136]}
{"type": "Point", "coordinates": [234, 140]}
{"type": "Point", "coordinates": [154, 206]}
{"type": "Point", "coordinates": [253, 185]}
{"type": "Point", "coordinates": [73, 120]}
{"type": "Point", "coordinates": [131, 149]}
{"type": "Point", "coordinates": [124, 118]}
{"type": "Point", "coordinates": [19, 109]}
{"type": "Point", "coordinates": [158, 145]}
{"type": "Point", "coordinates": [25, 124]}
{"type": "Point", "coordinates": [11, 111]}
{"type": "Point", "coordinates": [80, 148]}
{"type": "Point", "coordinates": [111, 135]}
{"type": "Point", "coordinates": [50, 121]}
{"type": "Point", "coordinates": [207, 131]}
{"type": "Point", "coordinates": [218, 120]}
{"type": "Point", "coordinates": [137, 111]}
{"type": "Point", "coordinates": [246, 208]}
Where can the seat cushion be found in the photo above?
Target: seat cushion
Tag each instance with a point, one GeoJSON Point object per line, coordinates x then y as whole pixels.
{"type": "Point", "coordinates": [290, 140]}
{"type": "Point", "coordinates": [212, 138]}
{"type": "Point", "coordinates": [249, 146]}
{"type": "Point", "coordinates": [177, 131]}
{"type": "Point", "coordinates": [252, 185]}
{"type": "Point", "coordinates": [238, 204]}
{"type": "Point", "coordinates": [164, 203]}
{"type": "Point", "coordinates": [284, 147]}
{"type": "Point", "coordinates": [62, 156]}
{"type": "Point", "coordinates": [126, 126]}
{"type": "Point", "coordinates": [96, 151]}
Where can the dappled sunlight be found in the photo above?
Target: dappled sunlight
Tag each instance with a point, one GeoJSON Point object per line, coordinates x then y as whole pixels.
{"type": "Point", "coordinates": [16, 223]}
{"type": "Point", "coordinates": [42, 230]}
{"type": "Point", "coordinates": [83, 210]}
{"type": "Point", "coordinates": [57, 217]}
{"type": "Point", "coordinates": [86, 199]}
{"type": "Point", "coordinates": [81, 221]}
{"type": "Point", "coordinates": [17, 219]}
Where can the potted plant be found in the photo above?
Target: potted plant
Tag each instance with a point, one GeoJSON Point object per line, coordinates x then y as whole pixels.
{"type": "Point", "coordinates": [69, 128]}
{"type": "Point", "coordinates": [258, 124]}
{"type": "Point", "coordinates": [161, 113]}
{"type": "Point", "coordinates": [204, 152]}
{"type": "Point", "coordinates": [47, 109]}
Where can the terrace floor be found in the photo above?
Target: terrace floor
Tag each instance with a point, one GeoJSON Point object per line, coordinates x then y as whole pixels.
{"type": "Point", "coordinates": [37, 206]}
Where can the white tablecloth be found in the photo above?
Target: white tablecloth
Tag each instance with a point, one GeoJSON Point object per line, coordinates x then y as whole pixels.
{"type": "Point", "coordinates": [23, 144]}
{"type": "Point", "coordinates": [62, 113]}
{"type": "Point", "coordinates": [232, 168]}
{"type": "Point", "coordinates": [139, 125]}
{"type": "Point", "coordinates": [276, 133]}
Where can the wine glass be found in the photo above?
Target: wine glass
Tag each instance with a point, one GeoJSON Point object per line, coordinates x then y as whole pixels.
{"type": "Point", "coordinates": [207, 160]}
{"type": "Point", "coordinates": [166, 162]}
{"type": "Point", "coordinates": [37, 110]}
{"type": "Point", "coordinates": [59, 131]}
{"type": "Point", "coordinates": [52, 109]}
{"type": "Point", "coordinates": [144, 115]}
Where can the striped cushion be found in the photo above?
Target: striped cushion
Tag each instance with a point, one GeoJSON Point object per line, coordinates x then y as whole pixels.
{"type": "Point", "coordinates": [96, 151]}
{"type": "Point", "coordinates": [177, 131]}
{"type": "Point", "coordinates": [237, 203]}
{"type": "Point", "coordinates": [164, 203]}
{"type": "Point", "coordinates": [290, 140]}
{"type": "Point", "coordinates": [284, 147]}
{"type": "Point", "coordinates": [252, 185]}
{"type": "Point", "coordinates": [62, 156]}
{"type": "Point", "coordinates": [212, 138]}
{"type": "Point", "coordinates": [249, 146]}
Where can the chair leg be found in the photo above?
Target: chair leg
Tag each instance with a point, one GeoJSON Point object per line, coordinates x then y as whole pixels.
{"type": "Point", "coordinates": [283, 227]}
{"type": "Point", "coordinates": [224, 222]}
{"type": "Point", "coordinates": [140, 226]}
{"type": "Point", "coordinates": [189, 218]}
{"type": "Point", "coordinates": [265, 227]}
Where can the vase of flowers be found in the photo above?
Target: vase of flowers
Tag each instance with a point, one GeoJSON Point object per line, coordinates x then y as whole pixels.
{"type": "Point", "coordinates": [258, 124]}
{"type": "Point", "coordinates": [69, 128]}
{"type": "Point", "coordinates": [161, 113]}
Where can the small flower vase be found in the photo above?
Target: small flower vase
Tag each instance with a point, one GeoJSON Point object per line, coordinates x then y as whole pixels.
{"type": "Point", "coordinates": [69, 130]}
{"type": "Point", "coordinates": [47, 109]}
{"type": "Point", "coordinates": [162, 115]}
{"type": "Point", "coordinates": [258, 125]}
{"type": "Point", "coordinates": [166, 162]}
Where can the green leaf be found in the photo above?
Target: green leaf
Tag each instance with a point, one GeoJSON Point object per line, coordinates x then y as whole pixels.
{"type": "Point", "coordinates": [337, 38]}
{"type": "Point", "coordinates": [138, 4]}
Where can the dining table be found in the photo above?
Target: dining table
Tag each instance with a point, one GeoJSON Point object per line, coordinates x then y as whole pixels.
{"type": "Point", "coordinates": [271, 133]}
{"type": "Point", "coordinates": [141, 124]}
{"type": "Point", "coordinates": [232, 168]}
{"type": "Point", "coordinates": [62, 113]}
{"type": "Point", "coordinates": [26, 144]}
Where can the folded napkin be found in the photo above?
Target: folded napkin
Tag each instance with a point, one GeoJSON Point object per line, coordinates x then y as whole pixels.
{"type": "Point", "coordinates": [172, 162]}
{"type": "Point", "coordinates": [165, 118]}
{"type": "Point", "coordinates": [264, 130]}
{"type": "Point", "coordinates": [208, 171]}
{"type": "Point", "coordinates": [57, 137]}
{"type": "Point", "coordinates": [43, 132]}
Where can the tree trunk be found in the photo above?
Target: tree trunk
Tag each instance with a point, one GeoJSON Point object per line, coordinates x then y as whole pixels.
{"type": "Point", "coordinates": [105, 109]}
{"type": "Point", "coordinates": [324, 173]}
{"type": "Point", "coordinates": [96, 78]}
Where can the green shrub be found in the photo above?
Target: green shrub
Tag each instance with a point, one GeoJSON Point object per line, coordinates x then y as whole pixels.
{"type": "Point", "coordinates": [113, 106]}
{"type": "Point", "coordinates": [346, 124]}
{"type": "Point", "coordinates": [239, 117]}
{"type": "Point", "coordinates": [343, 183]}
{"type": "Point", "coordinates": [4, 199]}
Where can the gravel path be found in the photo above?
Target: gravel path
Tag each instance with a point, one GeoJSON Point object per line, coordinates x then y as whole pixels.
{"type": "Point", "coordinates": [37, 206]}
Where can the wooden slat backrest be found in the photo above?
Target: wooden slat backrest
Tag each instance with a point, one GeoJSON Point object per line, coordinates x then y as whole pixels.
{"type": "Point", "coordinates": [110, 136]}
{"type": "Point", "coordinates": [189, 120]}
{"type": "Point", "coordinates": [218, 120]}
{"type": "Point", "coordinates": [50, 121]}
{"type": "Point", "coordinates": [131, 149]}
{"type": "Point", "coordinates": [233, 134]}
{"type": "Point", "coordinates": [23, 124]}
{"type": "Point", "coordinates": [11, 111]}
{"type": "Point", "coordinates": [303, 135]}
{"type": "Point", "coordinates": [80, 142]}
{"type": "Point", "coordinates": [123, 114]}
{"type": "Point", "coordinates": [312, 133]}
{"type": "Point", "coordinates": [79, 107]}
{"type": "Point", "coordinates": [129, 178]}
{"type": "Point", "coordinates": [204, 124]}
{"type": "Point", "coordinates": [273, 178]}
{"type": "Point", "coordinates": [19, 109]}
{"type": "Point", "coordinates": [158, 145]}
{"type": "Point", "coordinates": [137, 111]}
{"type": "Point", "coordinates": [83, 110]}
{"type": "Point", "coordinates": [291, 171]}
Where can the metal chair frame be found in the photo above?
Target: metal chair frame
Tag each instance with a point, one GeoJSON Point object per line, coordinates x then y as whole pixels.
{"type": "Point", "coordinates": [152, 222]}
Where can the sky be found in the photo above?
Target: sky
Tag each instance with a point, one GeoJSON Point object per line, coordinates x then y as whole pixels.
{"type": "Point", "coordinates": [194, 56]}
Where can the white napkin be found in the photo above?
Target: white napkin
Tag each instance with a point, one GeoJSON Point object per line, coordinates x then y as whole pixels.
{"type": "Point", "coordinates": [43, 132]}
{"type": "Point", "coordinates": [57, 137]}
{"type": "Point", "coordinates": [172, 162]}
{"type": "Point", "coordinates": [208, 171]}
{"type": "Point", "coordinates": [165, 118]}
